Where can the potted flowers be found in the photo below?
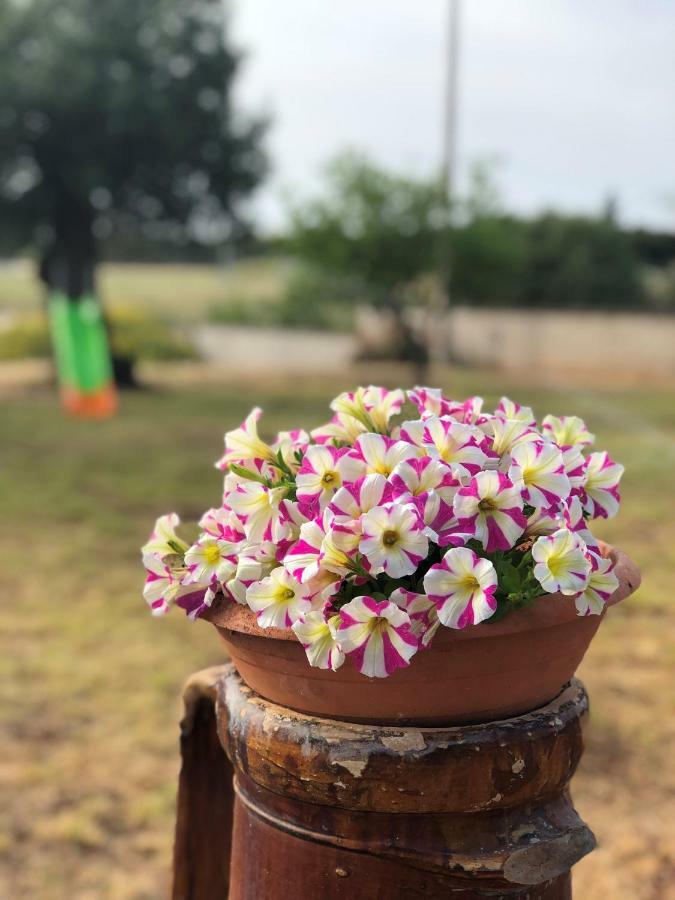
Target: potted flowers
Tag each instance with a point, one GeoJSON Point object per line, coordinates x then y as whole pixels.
{"type": "Point", "coordinates": [434, 567]}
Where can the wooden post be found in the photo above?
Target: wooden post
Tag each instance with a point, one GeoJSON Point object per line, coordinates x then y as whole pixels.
{"type": "Point", "coordinates": [326, 810]}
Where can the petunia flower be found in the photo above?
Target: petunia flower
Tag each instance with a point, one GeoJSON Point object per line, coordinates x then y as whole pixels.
{"type": "Point", "coordinates": [462, 586]}
{"type": "Point", "coordinates": [505, 434]}
{"type": "Point", "coordinates": [602, 582]}
{"type": "Point", "coordinates": [254, 562]}
{"type": "Point", "coordinates": [539, 470]}
{"type": "Point", "coordinates": [210, 560]}
{"type": "Point", "coordinates": [163, 540]}
{"type": "Point", "coordinates": [318, 636]}
{"type": "Point", "coordinates": [342, 429]}
{"type": "Point", "coordinates": [422, 611]}
{"type": "Point", "coordinates": [600, 496]}
{"type": "Point", "coordinates": [243, 443]}
{"type": "Point", "coordinates": [491, 509]}
{"type": "Point", "coordinates": [454, 443]}
{"type": "Point", "coordinates": [382, 404]}
{"type": "Point", "coordinates": [394, 539]}
{"type": "Point", "coordinates": [561, 563]}
{"type": "Point", "coordinates": [508, 409]}
{"type": "Point", "coordinates": [278, 600]}
{"type": "Point", "coordinates": [319, 477]}
{"type": "Point", "coordinates": [567, 431]}
{"type": "Point", "coordinates": [258, 506]}
{"type": "Point", "coordinates": [161, 585]}
{"type": "Point", "coordinates": [375, 454]}
{"type": "Point", "coordinates": [376, 635]}
{"type": "Point", "coordinates": [222, 523]}
{"type": "Point", "coordinates": [358, 497]}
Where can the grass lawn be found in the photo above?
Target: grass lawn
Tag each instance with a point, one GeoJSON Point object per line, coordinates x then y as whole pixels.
{"type": "Point", "coordinates": [89, 682]}
{"type": "Point", "coordinates": [180, 292]}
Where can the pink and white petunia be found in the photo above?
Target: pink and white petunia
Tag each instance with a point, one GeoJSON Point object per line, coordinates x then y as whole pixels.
{"type": "Point", "coordinates": [423, 614]}
{"type": "Point", "coordinates": [278, 600]}
{"type": "Point", "coordinates": [601, 489]}
{"type": "Point", "coordinates": [222, 523]}
{"type": "Point", "coordinates": [572, 517]}
{"type": "Point", "coordinates": [358, 497]}
{"type": "Point", "coordinates": [561, 563]}
{"type": "Point", "coordinates": [342, 429]}
{"type": "Point", "coordinates": [258, 507]}
{"type": "Point", "coordinates": [508, 409]}
{"type": "Point", "coordinates": [505, 434]}
{"type": "Point", "coordinates": [210, 561]}
{"type": "Point", "coordinates": [567, 431]}
{"type": "Point", "coordinates": [429, 401]}
{"type": "Point", "coordinates": [538, 469]}
{"type": "Point", "coordinates": [376, 635]}
{"type": "Point", "coordinates": [244, 444]}
{"type": "Point", "coordinates": [463, 588]}
{"type": "Point", "coordinates": [302, 558]}
{"type": "Point", "coordinates": [318, 636]}
{"type": "Point", "coordinates": [291, 445]}
{"type": "Point", "coordinates": [490, 508]}
{"type": "Point", "coordinates": [454, 443]}
{"type": "Point", "coordinates": [254, 562]}
{"type": "Point", "coordinates": [163, 540]}
{"type": "Point", "coordinates": [394, 539]}
{"type": "Point", "coordinates": [375, 454]}
{"type": "Point", "coordinates": [419, 476]}
{"type": "Point", "coordinates": [602, 582]}
{"type": "Point", "coordinates": [382, 404]}
{"type": "Point", "coordinates": [319, 477]}
{"type": "Point", "coordinates": [161, 584]}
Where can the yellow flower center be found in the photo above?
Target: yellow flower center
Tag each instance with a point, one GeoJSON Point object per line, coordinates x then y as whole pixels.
{"type": "Point", "coordinates": [470, 582]}
{"type": "Point", "coordinates": [390, 538]}
{"type": "Point", "coordinates": [287, 595]}
{"type": "Point", "coordinates": [487, 504]}
{"type": "Point", "coordinates": [556, 565]}
{"type": "Point", "coordinates": [328, 478]}
{"type": "Point", "coordinates": [212, 554]}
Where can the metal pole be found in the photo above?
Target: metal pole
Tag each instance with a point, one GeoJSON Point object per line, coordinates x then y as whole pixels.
{"type": "Point", "coordinates": [449, 153]}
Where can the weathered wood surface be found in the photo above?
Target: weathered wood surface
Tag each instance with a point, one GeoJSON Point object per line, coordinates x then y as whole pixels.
{"type": "Point", "coordinates": [326, 810]}
{"type": "Point", "coordinates": [201, 866]}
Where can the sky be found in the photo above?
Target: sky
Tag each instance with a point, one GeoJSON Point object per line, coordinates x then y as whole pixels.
{"type": "Point", "coordinates": [572, 100]}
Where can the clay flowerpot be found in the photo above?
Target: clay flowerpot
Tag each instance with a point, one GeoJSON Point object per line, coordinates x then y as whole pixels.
{"type": "Point", "coordinates": [483, 672]}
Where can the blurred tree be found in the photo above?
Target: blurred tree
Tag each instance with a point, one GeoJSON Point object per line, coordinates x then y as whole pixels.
{"type": "Point", "coordinates": [580, 262]}
{"type": "Point", "coordinates": [488, 249]}
{"type": "Point", "coordinates": [376, 229]}
{"type": "Point", "coordinates": [117, 118]}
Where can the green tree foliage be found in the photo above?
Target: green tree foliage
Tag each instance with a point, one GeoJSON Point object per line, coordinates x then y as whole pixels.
{"type": "Point", "coordinates": [378, 232]}
{"type": "Point", "coordinates": [375, 229]}
{"type": "Point", "coordinates": [116, 117]}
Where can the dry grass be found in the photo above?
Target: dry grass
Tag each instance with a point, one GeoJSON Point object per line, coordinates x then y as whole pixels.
{"type": "Point", "coordinates": [89, 682]}
{"type": "Point", "coordinates": [179, 292]}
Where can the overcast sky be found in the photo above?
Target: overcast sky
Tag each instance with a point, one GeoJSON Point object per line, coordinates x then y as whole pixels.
{"type": "Point", "coordinates": [575, 98]}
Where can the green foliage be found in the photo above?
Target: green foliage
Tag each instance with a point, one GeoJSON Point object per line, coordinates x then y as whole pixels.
{"type": "Point", "coordinates": [311, 299]}
{"type": "Point", "coordinates": [119, 116]}
{"type": "Point", "coordinates": [377, 229]}
{"type": "Point", "coordinates": [134, 333]}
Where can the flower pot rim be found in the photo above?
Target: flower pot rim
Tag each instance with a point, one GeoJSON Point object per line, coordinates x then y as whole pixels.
{"type": "Point", "coordinates": [547, 611]}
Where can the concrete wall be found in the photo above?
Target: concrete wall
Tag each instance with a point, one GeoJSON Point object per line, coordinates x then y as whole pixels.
{"type": "Point", "coordinates": [550, 342]}
{"type": "Point", "coordinates": [583, 341]}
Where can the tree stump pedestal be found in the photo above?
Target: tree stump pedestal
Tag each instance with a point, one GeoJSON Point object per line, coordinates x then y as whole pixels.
{"type": "Point", "coordinates": [316, 809]}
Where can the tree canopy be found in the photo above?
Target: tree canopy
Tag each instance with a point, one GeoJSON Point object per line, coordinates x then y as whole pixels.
{"type": "Point", "coordinates": [119, 116]}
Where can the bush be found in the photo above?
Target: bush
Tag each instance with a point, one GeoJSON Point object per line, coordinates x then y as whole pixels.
{"type": "Point", "coordinates": [135, 334]}
{"type": "Point", "coordinates": [311, 300]}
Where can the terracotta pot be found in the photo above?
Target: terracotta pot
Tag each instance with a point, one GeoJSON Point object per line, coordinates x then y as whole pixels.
{"type": "Point", "coordinates": [481, 673]}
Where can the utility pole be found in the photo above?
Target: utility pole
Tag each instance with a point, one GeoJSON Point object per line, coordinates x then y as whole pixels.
{"type": "Point", "coordinates": [449, 147]}
{"type": "Point", "coordinates": [447, 172]}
